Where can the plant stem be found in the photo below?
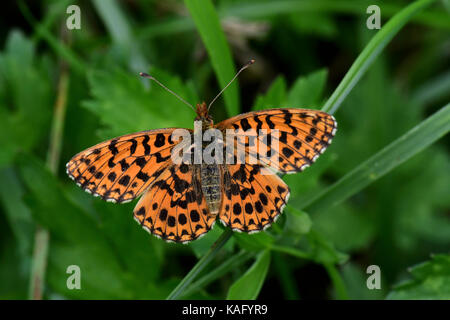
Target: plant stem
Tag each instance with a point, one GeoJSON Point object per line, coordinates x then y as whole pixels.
{"type": "Point", "coordinates": [42, 236]}
{"type": "Point", "coordinates": [39, 263]}
{"type": "Point", "coordinates": [338, 283]}
{"type": "Point", "coordinates": [291, 251]}
{"type": "Point", "coordinates": [200, 265]}
{"type": "Point", "coordinates": [58, 122]}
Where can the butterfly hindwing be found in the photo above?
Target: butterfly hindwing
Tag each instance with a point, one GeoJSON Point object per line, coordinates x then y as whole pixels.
{"type": "Point", "coordinates": [302, 136]}
{"type": "Point", "coordinates": [122, 168]}
{"type": "Point", "coordinates": [253, 199]}
{"type": "Point", "coordinates": [174, 208]}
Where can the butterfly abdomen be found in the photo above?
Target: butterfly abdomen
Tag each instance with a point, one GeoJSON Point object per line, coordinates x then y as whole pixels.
{"type": "Point", "coordinates": [210, 182]}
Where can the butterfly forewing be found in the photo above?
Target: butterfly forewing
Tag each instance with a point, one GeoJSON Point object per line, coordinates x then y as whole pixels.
{"type": "Point", "coordinates": [121, 169]}
{"type": "Point", "coordinates": [302, 136]}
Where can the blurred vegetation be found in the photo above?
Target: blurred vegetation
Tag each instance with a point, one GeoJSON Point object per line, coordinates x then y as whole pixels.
{"type": "Point", "coordinates": [343, 214]}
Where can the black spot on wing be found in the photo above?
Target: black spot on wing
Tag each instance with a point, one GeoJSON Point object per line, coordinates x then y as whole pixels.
{"type": "Point", "coordinates": [112, 147]}
{"type": "Point", "coordinates": [133, 146]}
{"type": "Point", "coordinates": [124, 180]}
{"type": "Point", "coordinates": [160, 140]}
{"type": "Point", "coordinates": [146, 145]}
{"type": "Point", "coordinates": [245, 125]}
{"type": "Point", "coordinates": [195, 217]}
{"type": "Point", "coordinates": [141, 162]}
{"type": "Point", "coordinates": [142, 176]}
{"type": "Point", "coordinates": [124, 165]}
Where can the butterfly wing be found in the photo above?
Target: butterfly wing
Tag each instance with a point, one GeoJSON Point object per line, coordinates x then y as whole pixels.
{"type": "Point", "coordinates": [122, 168]}
{"type": "Point", "coordinates": [174, 208]}
{"type": "Point", "coordinates": [303, 135]}
{"type": "Point", "coordinates": [255, 196]}
{"type": "Point", "coordinates": [253, 199]}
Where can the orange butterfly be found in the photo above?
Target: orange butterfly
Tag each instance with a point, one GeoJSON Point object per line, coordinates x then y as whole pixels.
{"type": "Point", "coordinates": [181, 201]}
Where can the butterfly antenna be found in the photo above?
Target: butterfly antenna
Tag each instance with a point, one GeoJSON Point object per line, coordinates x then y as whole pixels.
{"type": "Point", "coordinates": [145, 75]}
{"type": "Point", "coordinates": [248, 64]}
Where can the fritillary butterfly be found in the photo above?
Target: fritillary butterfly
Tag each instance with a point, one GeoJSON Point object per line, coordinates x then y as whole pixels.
{"type": "Point", "coordinates": [181, 202]}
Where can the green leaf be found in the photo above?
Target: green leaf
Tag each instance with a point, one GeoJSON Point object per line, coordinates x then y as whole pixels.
{"type": "Point", "coordinates": [411, 143]}
{"type": "Point", "coordinates": [17, 213]}
{"type": "Point", "coordinates": [323, 250]}
{"type": "Point", "coordinates": [254, 242]}
{"type": "Point", "coordinates": [347, 228]}
{"type": "Point", "coordinates": [298, 222]}
{"type": "Point", "coordinates": [430, 281]}
{"type": "Point", "coordinates": [124, 105]}
{"type": "Point", "coordinates": [355, 278]}
{"type": "Point", "coordinates": [135, 248]}
{"type": "Point", "coordinates": [76, 238]}
{"type": "Point", "coordinates": [307, 91]}
{"type": "Point", "coordinates": [249, 285]}
{"type": "Point", "coordinates": [208, 25]}
{"type": "Point", "coordinates": [25, 97]}
{"type": "Point", "coordinates": [51, 208]}
{"type": "Point", "coordinates": [101, 275]}
{"type": "Point", "coordinates": [275, 97]}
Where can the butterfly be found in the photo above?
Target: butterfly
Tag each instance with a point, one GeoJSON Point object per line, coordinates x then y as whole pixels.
{"type": "Point", "coordinates": [180, 202]}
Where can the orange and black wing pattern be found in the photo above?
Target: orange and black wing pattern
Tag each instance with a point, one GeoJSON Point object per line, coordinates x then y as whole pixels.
{"type": "Point", "coordinates": [253, 197]}
{"type": "Point", "coordinates": [122, 168]}
{"type": "Point", "coordinates": [174, 208]}
{"type": "Point", "coordinates": [303, 135]}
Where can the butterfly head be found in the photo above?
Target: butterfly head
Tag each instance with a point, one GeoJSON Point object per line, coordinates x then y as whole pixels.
{"type": "Point", "coordinates": [202, 113]}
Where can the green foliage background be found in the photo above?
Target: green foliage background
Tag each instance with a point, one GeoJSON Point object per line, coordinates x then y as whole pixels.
{"type": "Point", "coordinates": [378, 196]}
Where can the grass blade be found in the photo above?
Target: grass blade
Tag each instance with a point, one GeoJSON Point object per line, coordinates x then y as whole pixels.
{"type": "Point", "coordinates": [411, 143]}
{"type": "Point", "coordinates": [370, 52]}
{"type": "Point", "coordinates": [208, 25]}
{"type": "Point", "coordinates": [121, 33]}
